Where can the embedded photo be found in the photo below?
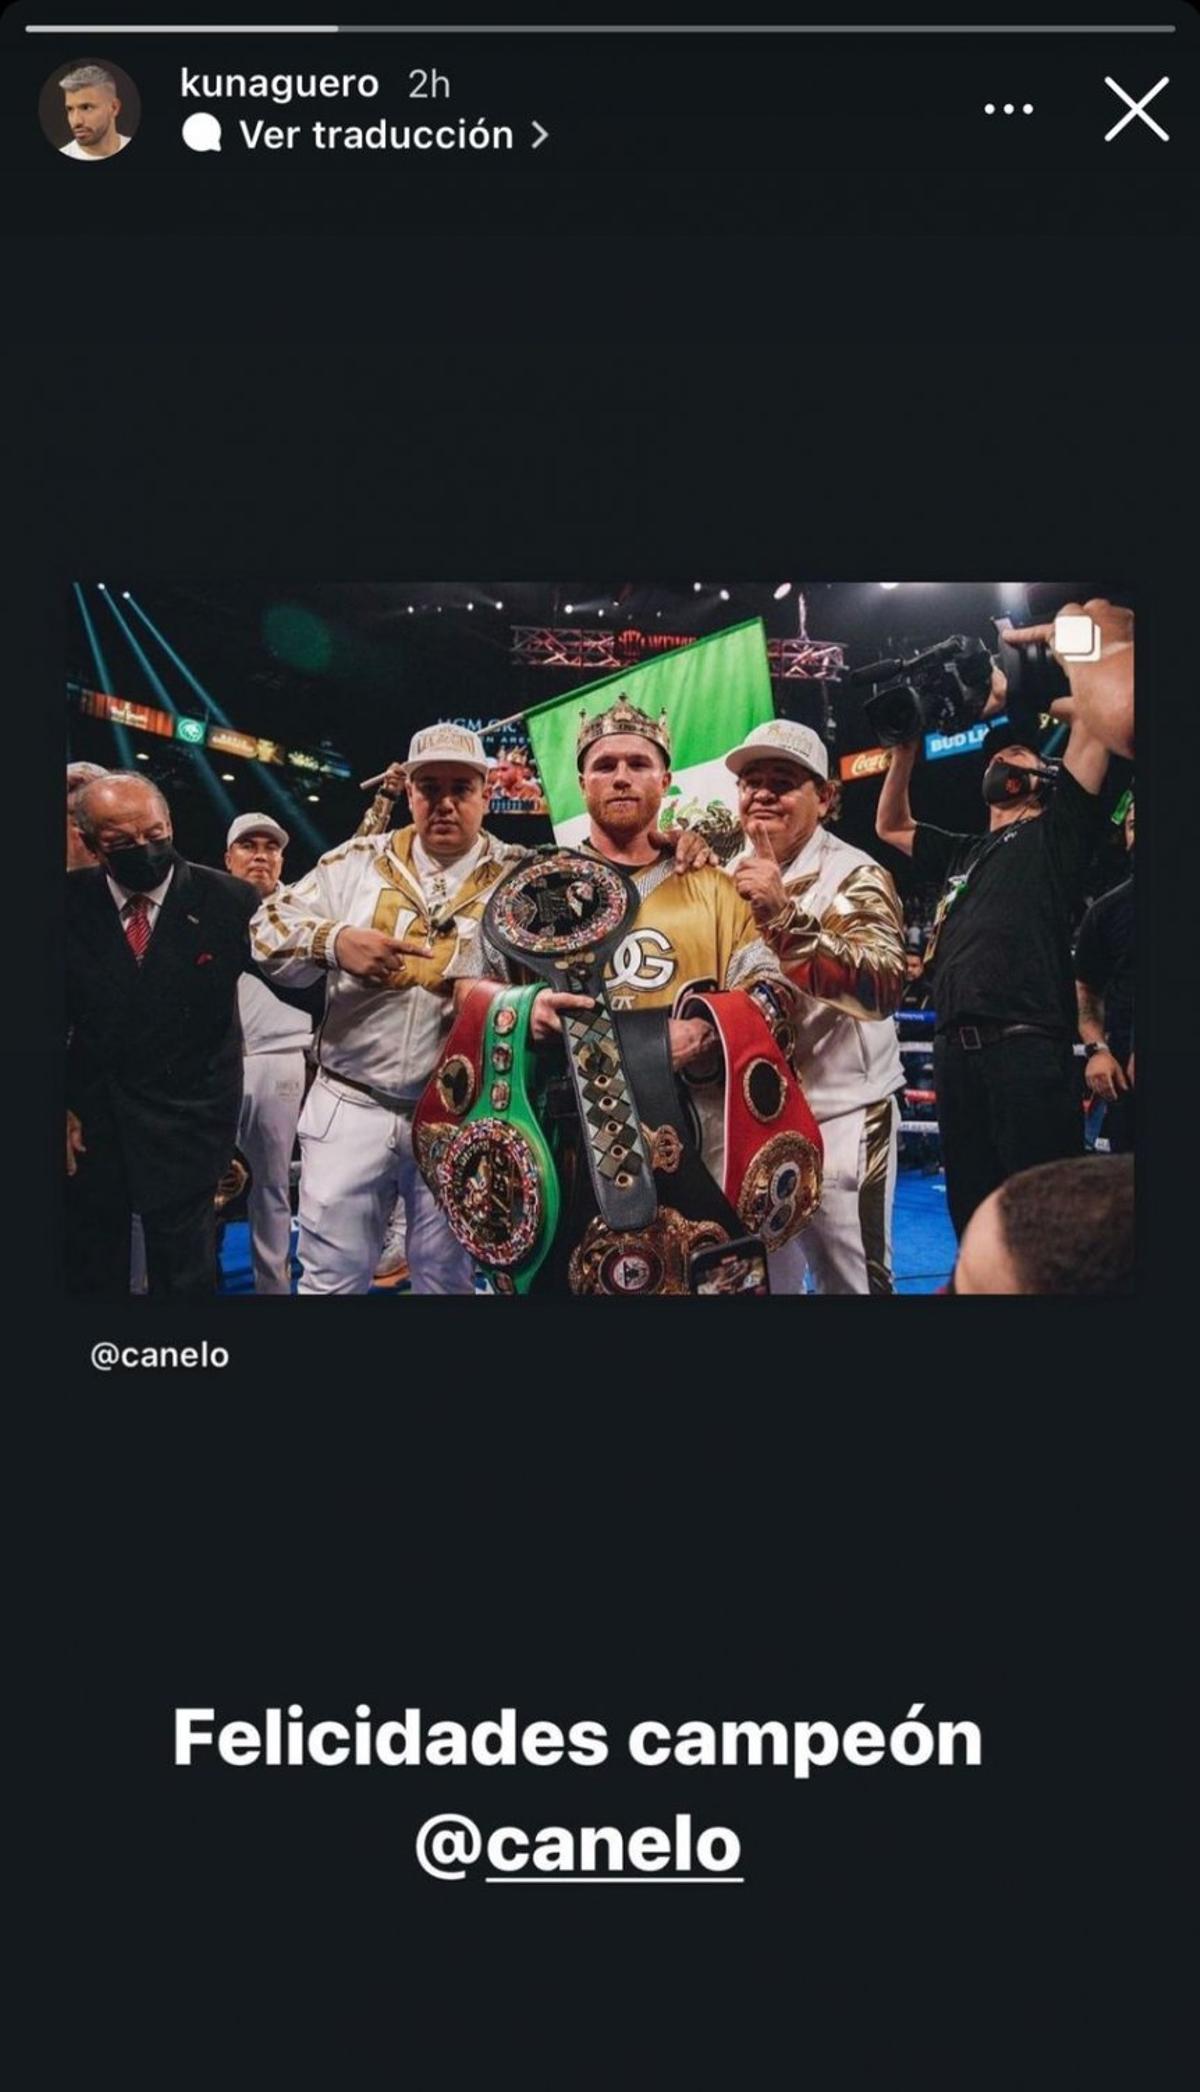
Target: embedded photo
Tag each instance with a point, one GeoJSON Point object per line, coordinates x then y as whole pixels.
{"type": "Point", "coordinates": [620, 939]}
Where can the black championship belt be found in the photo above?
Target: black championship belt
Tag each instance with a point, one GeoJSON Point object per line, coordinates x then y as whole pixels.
{"type": "Point", "coordinates": [560, 914]}
{"type": "Point", "coordinates": [693, 1212]}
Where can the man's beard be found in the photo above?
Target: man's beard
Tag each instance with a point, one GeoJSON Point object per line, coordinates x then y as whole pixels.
{"type": "Point", "coordinates": [625, 816]}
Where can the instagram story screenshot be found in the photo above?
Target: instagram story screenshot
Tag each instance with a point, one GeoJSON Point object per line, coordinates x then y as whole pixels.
{"type": "Point", "coordinates": [487, 840]}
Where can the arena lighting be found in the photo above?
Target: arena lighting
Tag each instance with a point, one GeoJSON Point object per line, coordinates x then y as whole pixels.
{"type": "Point", "coordinates": [152, 676]}
{"type": "Point", "coordinates": [212, 785]}
{"type": "Point", "coordinates": [282, 800]}
{"type": "Point", "coordinates": [144, 758]}
{"type": "Point", "coordinates": [499, 604]}
{"type": "Point", "coordinates": [102, 584]}
{"type": "Point", "coordinates": [103, 677]}
{"type": "Point", "coordinates": [125, 594]}
{"type": "Point", "coordinates": [227, 777]}
{"type": "Point", "coordinates": [568, 609]}
{"type": "Point", "coordinates": [314, 797]}
{"type": "Point", "coordinates": [889, 584]}
{"type": "Point", "coordinates": [696, 587]}
{"type": "Point", "coordinates": [723, 593]}
{"type": "Point", "coordinates": [784, 589]}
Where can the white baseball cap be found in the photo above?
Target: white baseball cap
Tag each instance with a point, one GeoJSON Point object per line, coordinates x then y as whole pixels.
{"type": "Point", "coordinates": [781, 737]}
{"type": "Point", "coordinates": [447, 743]}
{"type": "Point", "coordinates": [256, 824]}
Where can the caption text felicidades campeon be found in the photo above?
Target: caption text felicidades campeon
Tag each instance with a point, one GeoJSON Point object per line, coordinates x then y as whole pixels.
{"type": "Point", "coordinates": [447, 1845]}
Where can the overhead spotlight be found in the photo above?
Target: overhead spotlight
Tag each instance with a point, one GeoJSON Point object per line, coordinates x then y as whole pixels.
{"type": "Point", "coordinates": [724, 594]}
{"type": "Point", "coordinates": [889, 584]}
{"type": "Point", "coordinates": [568, 609]}
{"type": "Point", "coordinates": [314, 797]}
{"type": "Point", "coordinates": [142, 756]}
{"type": "Point", "coordinates": [410, 609]}
{"type": "Point", "coordinates": [470, 606]}
{"type": "Point", "coordinates": [103, 585]}
{"type": "Point", "coordinates": [227, 777]}
{"type": "Point", "coordinates": [658, 613]}
{"type": "Point", "coordinates": [599, 613]}
{"type": "Point", "coordinates": [696, 587]}
{"type": "Point", "coordinates": [439, 609]}
{"type": "Point", "coordinates": [125, 593]}
{"type": "Point", "coordinates": [784, 589]}
{"type": "Point", "coordinates": [499, 604]}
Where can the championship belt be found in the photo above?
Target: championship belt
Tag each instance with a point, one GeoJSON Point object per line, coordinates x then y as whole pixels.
{"type": "Point", "coordinates": [492, 1173]}
{"type": "Point", "coordinates": [455, 1083]}
{"type": "Point", "coordinates": [560, 914]}
{"type": "Point", "coordinates": [773, 1147]}
{"type": "Point", "coordinates": [693, 1213]}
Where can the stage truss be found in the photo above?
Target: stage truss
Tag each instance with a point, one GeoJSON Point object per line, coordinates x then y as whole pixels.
{"type": "Point", "coordinates": [607, 652]}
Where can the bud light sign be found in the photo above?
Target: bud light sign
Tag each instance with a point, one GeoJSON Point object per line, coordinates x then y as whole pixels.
{"type": "Point", "coordinates": [960, 744]}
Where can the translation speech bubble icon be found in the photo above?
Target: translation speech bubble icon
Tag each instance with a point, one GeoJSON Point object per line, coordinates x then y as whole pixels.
{"type": "Point", "coordinates": [202, 132]}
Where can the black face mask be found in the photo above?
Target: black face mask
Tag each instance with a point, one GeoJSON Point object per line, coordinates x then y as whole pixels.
{"type": "Point", "coordinates": [1006, 784]}
{"type": "Point", "coordinates": [140, 866]}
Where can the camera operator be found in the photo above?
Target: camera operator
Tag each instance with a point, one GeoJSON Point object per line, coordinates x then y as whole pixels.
{"type": "Point", "coordinates": [1008, 1096]}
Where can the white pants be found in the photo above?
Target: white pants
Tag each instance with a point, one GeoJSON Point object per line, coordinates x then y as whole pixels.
{"type": "Point", "coordinates": [847, 1244]}
{"type": "Point", "coordinates": [356, 1157]}
{"type": "Point", "coordinates": [272, 1095]}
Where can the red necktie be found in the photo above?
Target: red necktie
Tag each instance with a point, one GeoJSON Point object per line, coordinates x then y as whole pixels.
{"type": "Point", "coordinates": [137, 925]}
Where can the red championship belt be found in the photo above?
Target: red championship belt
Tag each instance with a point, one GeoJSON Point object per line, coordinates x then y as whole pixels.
{"type": "Point", "coordinates": [773, 1147]}
{"type": "Point", "coordinates": [455, 1082]}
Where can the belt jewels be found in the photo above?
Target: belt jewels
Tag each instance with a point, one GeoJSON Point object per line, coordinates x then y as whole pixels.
{"type": "Point", "coordinates": [773, 1183]}
{"type": "Point", "coordinates": [479, 1142]}
{"type": "Point", "coordinates": [560, 915]}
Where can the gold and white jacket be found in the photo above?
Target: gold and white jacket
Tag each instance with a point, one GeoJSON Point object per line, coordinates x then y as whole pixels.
{"type": "Point", "coordinates": [388, 1037]}
{"type": "Point", "coordinates": [840, 941]}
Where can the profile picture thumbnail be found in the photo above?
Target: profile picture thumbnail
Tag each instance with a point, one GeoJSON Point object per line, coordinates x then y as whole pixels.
{"type": "Point", "coordinates": [89, 109]}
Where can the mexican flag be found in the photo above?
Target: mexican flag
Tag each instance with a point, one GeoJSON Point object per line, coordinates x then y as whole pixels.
{"type": "Point", "coordinates": [712, 692]}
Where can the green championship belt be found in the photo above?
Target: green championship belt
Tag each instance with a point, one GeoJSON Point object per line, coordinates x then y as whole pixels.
{"type": "Point", "coordinates": [559, 915]}
{"type": "Point", "coordinates": [494, 1173]}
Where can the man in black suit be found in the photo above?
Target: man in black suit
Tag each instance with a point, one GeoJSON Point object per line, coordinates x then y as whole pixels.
{"type": "Point", "coordinates": [154, 948]}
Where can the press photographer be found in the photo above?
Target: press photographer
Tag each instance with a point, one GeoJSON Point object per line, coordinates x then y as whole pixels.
{"type": "Point", "coordinates": [1000, 952]}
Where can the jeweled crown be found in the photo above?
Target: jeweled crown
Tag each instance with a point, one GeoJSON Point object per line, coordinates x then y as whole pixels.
{"type": "Point", "coordinates": [622, 718]}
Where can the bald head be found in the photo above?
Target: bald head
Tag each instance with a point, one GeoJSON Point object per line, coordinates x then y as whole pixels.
{"type": "Point", "coordinates": [120, 809]}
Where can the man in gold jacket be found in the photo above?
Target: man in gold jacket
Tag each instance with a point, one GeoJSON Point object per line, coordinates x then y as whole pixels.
{"type": "Point", "coordinates": [385, 919]}
{"type": "Point", "coordinates": [692, 926]}
{"type": "Point", "coordinates": [833, 918]}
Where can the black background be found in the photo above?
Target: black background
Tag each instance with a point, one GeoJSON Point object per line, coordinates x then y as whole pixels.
{"type": "Point", "coordinates": [834, 1515]}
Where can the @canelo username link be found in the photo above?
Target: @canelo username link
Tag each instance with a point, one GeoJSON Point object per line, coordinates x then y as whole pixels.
{"type": "Point", "coordinates": [447, 1845]}
{"type": "Point", "coordinates": [108, 1357]}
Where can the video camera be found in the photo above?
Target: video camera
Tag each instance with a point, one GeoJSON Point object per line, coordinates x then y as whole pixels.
{"type": "Point", "coordinates": [946, 688]}
{"type": "Point", "coordinates": [938, 691]}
